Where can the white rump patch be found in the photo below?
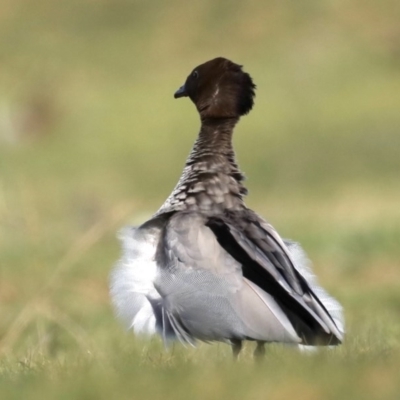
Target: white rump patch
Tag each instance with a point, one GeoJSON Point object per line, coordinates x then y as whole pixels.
{"type": "Point", "coordinates": [131, 281]}
{"type": "Point", "coordinates": [303, 265]}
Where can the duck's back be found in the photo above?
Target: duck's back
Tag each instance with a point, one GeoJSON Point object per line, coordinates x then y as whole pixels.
{"type": "Point", "coordinates": [207, 267]}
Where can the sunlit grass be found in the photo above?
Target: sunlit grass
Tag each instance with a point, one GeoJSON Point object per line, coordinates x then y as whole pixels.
{"type": "Point", "coordinates": [91, 139]}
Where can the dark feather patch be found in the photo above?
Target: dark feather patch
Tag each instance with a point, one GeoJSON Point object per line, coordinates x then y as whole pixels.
{"type": "Point", "coordinates": [220, 89]}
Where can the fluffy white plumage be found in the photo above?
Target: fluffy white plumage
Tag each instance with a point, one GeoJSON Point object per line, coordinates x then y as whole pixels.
{"type": "Point", "coordinates": [303, 265]}
{"type": "Point", "coordinates": [131, 284]}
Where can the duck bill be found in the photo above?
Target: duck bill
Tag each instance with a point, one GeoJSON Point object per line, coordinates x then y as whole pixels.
{"type": "Point", "coordinates": [181, 92]}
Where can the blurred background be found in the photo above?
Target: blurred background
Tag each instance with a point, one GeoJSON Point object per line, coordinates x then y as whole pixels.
{"type": "Point", "coordinates": [92, 139]}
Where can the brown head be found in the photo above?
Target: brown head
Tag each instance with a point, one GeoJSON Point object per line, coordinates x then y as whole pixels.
{"type": "Point", "coordinates": [220, 89]}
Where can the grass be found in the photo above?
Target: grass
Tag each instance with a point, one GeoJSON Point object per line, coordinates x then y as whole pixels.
{"type": "Point", "coordinates": [91, 139]}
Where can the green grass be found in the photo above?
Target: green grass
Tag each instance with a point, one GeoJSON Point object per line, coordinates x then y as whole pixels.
{"type": "Point", "coordinates": [91, 139]}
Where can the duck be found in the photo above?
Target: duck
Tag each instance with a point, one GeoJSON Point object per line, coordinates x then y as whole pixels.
{"type": "Point", "coordinates": [207, 268]}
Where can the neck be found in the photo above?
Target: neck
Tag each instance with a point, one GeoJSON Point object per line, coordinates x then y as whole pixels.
{"type": "Point", "coordinates": [211, 170]}
{"type": "Point", "coordinates": [214, 141]}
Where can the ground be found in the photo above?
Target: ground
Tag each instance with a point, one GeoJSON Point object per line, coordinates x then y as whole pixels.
{"type": "Point", "coordinates": [92, 139]}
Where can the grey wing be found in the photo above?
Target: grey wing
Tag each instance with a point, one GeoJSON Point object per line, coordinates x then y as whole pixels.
{"type": "Point", "coordinates": [205, 295]}
{"type": "Point", "coordinates": [268, 263]}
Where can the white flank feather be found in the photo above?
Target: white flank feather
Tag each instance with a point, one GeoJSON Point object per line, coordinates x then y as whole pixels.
{"type": "Point", "coordinates": [131, 282]}
{"type": "Point", "coordinates": [303, 265]}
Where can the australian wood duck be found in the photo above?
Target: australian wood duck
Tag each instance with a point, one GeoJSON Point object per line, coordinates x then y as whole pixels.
{"type": "Point", "coordinates": [206, 267]}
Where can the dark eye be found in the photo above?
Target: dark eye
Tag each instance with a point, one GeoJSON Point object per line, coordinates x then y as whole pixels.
{"type": "Point", "coordinates": [195, 74]}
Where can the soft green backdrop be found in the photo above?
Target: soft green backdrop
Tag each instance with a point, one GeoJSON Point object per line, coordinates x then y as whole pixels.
{"type": "Point", "coordinates": [91, 139]}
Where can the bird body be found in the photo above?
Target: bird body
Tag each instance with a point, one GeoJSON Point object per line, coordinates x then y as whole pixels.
{"type": "Point", "coordinates": [206, 267]}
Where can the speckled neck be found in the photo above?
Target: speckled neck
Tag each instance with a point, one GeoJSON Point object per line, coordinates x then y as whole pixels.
{"type": "Point", "coordinates": [211, 179]}
{"type": "Point", "coordinates": [215, 139]}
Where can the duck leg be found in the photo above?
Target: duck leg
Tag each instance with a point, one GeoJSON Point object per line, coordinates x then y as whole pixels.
{"type": "Point", "coordinates": [236, 348]}
{"type": "Point", "coordinates": [259, 352]}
